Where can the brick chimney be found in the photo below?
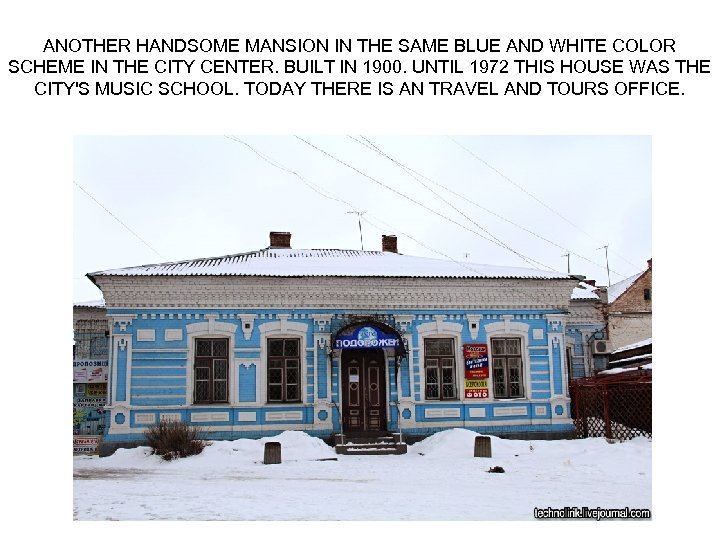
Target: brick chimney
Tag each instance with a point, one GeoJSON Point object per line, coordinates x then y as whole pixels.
{"type": "Point", "coordinates": [649, 264]}
{"type": "Point", "coordinates": [279, 239]}
{"type": "Point", "coordinates": [389, 243]}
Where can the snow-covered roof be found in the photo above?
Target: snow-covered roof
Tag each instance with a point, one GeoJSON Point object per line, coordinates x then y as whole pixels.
{"type": "Point", "coordinates": [584, 291]}
{"type": "Point", "coordinates": [615, 290]}
{"type": "Point", "coordinates": [615, 371]}
{"type": "Point", "coordinates": [91, 303]}
{"type": "Point", "coordinates": [287, 262]}
{"type": "Point", "coordinates": [635, 345]}
{"type": "Point", "coordinates": [632, 359]}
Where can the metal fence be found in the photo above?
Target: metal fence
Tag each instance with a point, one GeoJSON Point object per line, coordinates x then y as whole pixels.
{"type": "Point", "coordinates": [617, 407]}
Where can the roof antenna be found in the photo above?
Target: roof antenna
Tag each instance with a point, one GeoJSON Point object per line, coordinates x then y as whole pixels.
{"type": "Point", "coordinates": [568, 257]}
{"type": "Point", "coordinates": [607, 264]}
{"type": "Point", "coordinates": [359, 215]}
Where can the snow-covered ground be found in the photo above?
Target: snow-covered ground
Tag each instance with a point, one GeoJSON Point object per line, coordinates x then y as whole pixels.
{"type": "Point", "coordinates": [438, 479]}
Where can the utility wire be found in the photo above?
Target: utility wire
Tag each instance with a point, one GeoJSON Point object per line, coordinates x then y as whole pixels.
{"type": "Point", "coordinates": [534, 197]}
{"type": "Point", "coordinates": [363, 215]}
{"type": "Point", "coordinates": [403, 195]}
{"type": "Point", "coordinates": [455, 208]}
{"type": "Point", "coordinates": [415, 173]}
{"type": "Point", "coordinates": [117, 219]}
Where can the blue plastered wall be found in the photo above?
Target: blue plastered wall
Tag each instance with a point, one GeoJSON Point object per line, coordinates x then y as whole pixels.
{"type": "Point", "coordinates": [151, 373]}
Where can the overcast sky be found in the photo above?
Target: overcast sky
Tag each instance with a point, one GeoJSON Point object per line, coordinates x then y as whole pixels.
{"type": "Point", "coordinates": [509, 201]}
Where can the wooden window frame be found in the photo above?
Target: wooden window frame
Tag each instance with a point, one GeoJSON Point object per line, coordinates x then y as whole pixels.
{"type": "Point", "coordinates": [501, 364]}
{"type": "Point", "coordinates": [213, 366]}
{"type": "Point", "coordinates": [438, 364]}
{"type": "Point", "coordinates": [283, 364]}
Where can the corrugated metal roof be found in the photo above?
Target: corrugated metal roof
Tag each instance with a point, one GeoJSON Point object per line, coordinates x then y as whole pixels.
{"type": "Point", "coordinates": [286, 262]}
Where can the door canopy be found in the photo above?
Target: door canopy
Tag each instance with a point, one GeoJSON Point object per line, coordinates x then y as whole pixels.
{"type": "Point", "coordinates": [369, 334]}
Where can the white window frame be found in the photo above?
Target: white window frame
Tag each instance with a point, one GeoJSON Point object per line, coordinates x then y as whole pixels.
{"type": "Point", "coordinates": [440, 329]}
{"type": "Point", "coordinates": [211, 330]}
{"type": "Point", "coordinates": [281, 329]}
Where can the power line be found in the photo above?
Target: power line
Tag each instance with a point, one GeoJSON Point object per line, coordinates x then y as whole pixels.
{"type": "Point", "coordinates": [534, 197]}
{"type": "Point", "coordinates": [118, 219]}
{"type": "Point", "coordinates": [456, 209]}
{"type": "Point", "coordinates": [413, 173]}
{"type": "Point", "coordinates": [363, 215]}
{"type": "Point", "coordinates": [403, 195]}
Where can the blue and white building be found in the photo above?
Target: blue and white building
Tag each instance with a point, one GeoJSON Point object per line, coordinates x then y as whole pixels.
{"type": "Point", "coordinates": [335, 341]}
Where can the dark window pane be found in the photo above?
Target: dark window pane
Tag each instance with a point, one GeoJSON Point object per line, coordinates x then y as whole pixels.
{"type": "Point", "coordinates": [274, 392]}
{"type": "Point", "coordinates": [275, 376]}
{"type": "Point", "coordinates": [292, 393]}
{"type": "Point", "coordinates": [292, 347]}
{"type": "Point", "coordinates": [446, 346]}
{"type": "Point", "coordinates": [220, 391]}
{"type": "Point", "coordinates": [275, 347]}
{"type": "Point", "coordinates": [220, 347]}
{"type": "Point", "coordinates": [203, 347]}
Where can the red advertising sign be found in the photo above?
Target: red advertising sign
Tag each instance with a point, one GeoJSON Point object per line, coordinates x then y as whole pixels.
{"type": "Point", "coordinates": [476, 361]}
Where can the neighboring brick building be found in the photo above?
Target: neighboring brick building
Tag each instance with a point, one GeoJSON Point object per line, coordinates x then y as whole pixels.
{"type": "Point", "coordinates": [327, 340]}
{"type": "Point", "coordinates": [629, 310]}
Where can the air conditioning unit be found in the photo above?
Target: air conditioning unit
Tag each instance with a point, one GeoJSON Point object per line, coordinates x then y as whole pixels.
{"type": "Point", "coordinates": [601, 346]}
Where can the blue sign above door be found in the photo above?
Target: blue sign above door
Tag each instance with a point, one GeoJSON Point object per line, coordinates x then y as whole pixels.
{"type": "Point", "coordinates": [366, 337]}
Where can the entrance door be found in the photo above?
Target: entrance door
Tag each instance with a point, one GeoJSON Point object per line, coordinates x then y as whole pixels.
{"type": "Point", "coordinates": [363, 390]}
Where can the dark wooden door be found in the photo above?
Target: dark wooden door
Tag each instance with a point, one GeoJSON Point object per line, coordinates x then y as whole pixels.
{"type": "Point", "coordinates": [363, 391]}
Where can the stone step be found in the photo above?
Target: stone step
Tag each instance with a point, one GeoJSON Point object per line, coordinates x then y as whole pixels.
{"type": "Point", "coordinates": [377, 448]}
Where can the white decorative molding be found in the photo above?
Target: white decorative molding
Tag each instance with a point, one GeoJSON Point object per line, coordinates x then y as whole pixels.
{"type": "Point", "coordinates": [122, 343]}
{"type": "Point", "coordinates": [404, 321]}
{"type": "Point", "coordinates": [282, 325]}
{"type": "Point", "coordinates": [474, 324]}
{"type": "Point", "coordinates": [556, 321]}
{"type": "Point", "coordinates": [209, 416]}
{"type": "Point", "coordinates": [284, 415]}
{"type": "Point", "coordinates": [206, 328]}
{"type": "Point", "coordinates": [146, 334]}
{"type": "Point", "coordinates": [170, 417]}
{"type": "Point", "coordinates": [247, 416]}
{"type": "Point", "coordinates": [439, 327]}
{"type": "Point", "coordinates": [507, 327]}
{"type": "Point", "coordinates": [564, 402]}
{"type": "Point", "coordinates": [144, 418]}
{"type": "Point", "coordinates": [510, 411]}
{"type": "Point", "coordinates": [322, 320]}
{"type": "Point", "coordinates": [477, 413]}
{"type": "Point", "coordinates": [537, 333]}
{"type": "Point", "coordinates": [442, 413]}
{"type": "Point", "coordinates": [247, 324]}
{"type": "Point", "coordinates": [173, 334]}
{"type": "Point", "coordinates": [122, 321]}
{"type": "Point", "coordinates": [541, 410]}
